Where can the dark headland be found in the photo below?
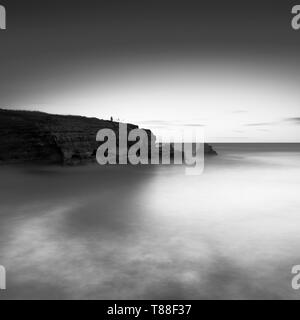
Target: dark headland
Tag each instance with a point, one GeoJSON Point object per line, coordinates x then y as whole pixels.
{"type": "Point", "coordinates": [31, 136]}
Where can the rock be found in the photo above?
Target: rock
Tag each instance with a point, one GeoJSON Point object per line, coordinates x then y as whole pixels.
{"type": "Point", "coordinates": [30, 136]}
{"type": "Point", "coordinates": [208, 150]}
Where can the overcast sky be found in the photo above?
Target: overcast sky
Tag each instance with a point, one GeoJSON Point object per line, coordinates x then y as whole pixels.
{"type": "Point", "coordinates": [231, 67]}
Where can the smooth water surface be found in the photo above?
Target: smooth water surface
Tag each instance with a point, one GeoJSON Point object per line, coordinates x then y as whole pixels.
{"type": "Point", "coordinates": [151, 232]}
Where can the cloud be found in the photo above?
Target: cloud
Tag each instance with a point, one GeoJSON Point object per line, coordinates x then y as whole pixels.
{"type": "Point", "coordinates": [239, 111]}
{"type": "Point", "coordinates": [295, 120]}
{"type": "Point", "coordinates": [155, 121]}
{"type": "Point", "coordinates": [260, 124]}
{"type": "Point", "coordinates": [193, 125]}
{"type": "Point", "coordinates": [239, 131]}
{"type": "Point", "coordinates": [160, 123]}
{"type": "Point", "coordinates": [263, 130]}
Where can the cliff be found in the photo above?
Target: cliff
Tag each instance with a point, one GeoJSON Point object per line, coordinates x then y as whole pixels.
{"type": "Point", "coordinates": [27, 136]}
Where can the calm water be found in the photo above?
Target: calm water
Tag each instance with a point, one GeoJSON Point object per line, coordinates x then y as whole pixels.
{"type": "Point", "coordinates": [151, 232]}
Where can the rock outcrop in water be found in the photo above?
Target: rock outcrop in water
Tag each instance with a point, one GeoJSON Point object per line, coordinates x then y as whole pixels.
{"type": "Point", "coordinates": [40, 137]}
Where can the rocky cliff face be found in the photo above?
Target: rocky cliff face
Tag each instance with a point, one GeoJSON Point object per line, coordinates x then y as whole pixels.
{"type": "Point", "coordinates": [39, 137]}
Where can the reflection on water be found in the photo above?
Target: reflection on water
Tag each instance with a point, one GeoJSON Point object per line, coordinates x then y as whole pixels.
{"type": "Point", "coordinates": [151, 232]}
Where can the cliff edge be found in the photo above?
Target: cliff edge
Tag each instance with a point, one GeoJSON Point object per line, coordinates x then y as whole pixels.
{"type": "Point", "coordinates": [30, 136]}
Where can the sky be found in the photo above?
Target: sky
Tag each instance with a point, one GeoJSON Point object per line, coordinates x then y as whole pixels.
{"type": "Point", "coordinates": [229, 67]}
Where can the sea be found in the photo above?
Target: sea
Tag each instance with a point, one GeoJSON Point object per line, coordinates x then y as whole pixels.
{"type": "Point", "coordinates": [153, 232]}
